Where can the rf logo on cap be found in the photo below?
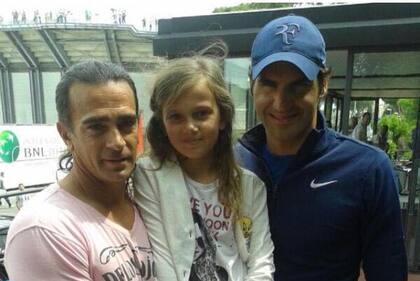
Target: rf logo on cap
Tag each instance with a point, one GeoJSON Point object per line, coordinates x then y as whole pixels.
{"type": "Point", "coordinates": [285, 29]}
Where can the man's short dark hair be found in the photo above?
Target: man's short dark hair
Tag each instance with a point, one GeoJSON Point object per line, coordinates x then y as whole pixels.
{"type": "Point", "coordinates": [90, 72]}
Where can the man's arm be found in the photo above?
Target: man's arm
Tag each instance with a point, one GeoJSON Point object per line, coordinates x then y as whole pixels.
{"type": "Point", "coordinates": [39, 254]}
{"type": "Point", "coordinates": [384, 256]}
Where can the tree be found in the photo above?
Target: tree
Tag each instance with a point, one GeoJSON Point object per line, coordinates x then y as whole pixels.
{"type": "Point", "coordinates": [409, 108]}
{"type": "Point", "coordinates": [252, 6]}
{"type": "Point", "coordinates": [400, 125]}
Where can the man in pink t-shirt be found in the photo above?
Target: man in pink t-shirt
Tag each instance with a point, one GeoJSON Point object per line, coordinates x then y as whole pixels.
{"type": "Point", "coordinates": [86, 226]}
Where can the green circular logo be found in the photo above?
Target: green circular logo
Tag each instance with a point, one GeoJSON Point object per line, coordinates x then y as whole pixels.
{"type": "Point", "coordinates": [9, 146]}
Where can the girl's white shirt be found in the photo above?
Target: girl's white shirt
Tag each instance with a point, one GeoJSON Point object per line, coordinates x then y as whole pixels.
{"type": "Point", "coordinates": [162, 195]}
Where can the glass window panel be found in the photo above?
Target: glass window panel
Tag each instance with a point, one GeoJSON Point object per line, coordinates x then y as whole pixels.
{"type": "Point", "coordinates": [143, 82]}
{"type": "Point", "coordinates": [386, 83]}
{"type": "Point", "coordinates": [337, 85]}
{"type": "Point", "coordinates": [49, 83]}
{"type": "Point", "coordinates": [1, 102]}
{"type": "Point", "coordinates": [386, 63]}
{"type": "Point", "coordinates": [236, 76]}
{"type": "Point", "coordinates": [337, 61]}
{"type": "Point", "coordinates": [386, 74]}
{"type": "Point", "coordinates": [386, 93]}
{"type": "Point", "coordinates": [22, 98]}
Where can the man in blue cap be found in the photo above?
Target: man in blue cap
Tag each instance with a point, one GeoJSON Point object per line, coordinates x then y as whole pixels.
{"type": "Point", "coordinates": [332, 200]}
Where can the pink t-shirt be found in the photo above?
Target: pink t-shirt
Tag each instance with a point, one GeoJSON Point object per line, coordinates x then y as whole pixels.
{"type": "Point", "coordinates": [58, 237]}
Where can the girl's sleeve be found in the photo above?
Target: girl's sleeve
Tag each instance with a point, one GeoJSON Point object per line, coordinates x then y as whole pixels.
{"type": "Point", "coordinates": [260, 261]}
{"type": "Point", "coordinates": [147, 198]}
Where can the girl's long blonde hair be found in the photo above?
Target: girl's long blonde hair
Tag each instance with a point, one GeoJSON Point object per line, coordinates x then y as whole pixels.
{"type": "Point", "coordinates": [171, 82]}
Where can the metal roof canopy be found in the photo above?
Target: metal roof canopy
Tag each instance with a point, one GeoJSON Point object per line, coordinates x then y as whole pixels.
{"type": "Point", "coordinates": [38, 48]}
{"type": "Point", "coordinates": [343, 27]}
{"type": "Point", "coordinates": [54, 47]}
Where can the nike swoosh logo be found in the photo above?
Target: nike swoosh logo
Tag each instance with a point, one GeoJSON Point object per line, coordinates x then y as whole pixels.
{"type": "Point", "coordinates": [319, 184]}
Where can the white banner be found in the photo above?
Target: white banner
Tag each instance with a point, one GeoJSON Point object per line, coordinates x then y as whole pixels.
{"type": "Point", "coordinates": [29, 154]}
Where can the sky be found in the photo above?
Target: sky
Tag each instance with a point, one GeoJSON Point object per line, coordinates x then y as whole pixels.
{"type": "Point", "coordinates": [136, 10]}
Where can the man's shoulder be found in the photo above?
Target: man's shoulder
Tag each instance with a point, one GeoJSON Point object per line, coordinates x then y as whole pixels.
{"type": "Point", "coordinates": [242, 152]}
{"type": "Point", "coordinates": [46, 210]}
{"type": "Point", "coordinates": [249, 147]}
{"type": "Point", "coordinates": [353, 148]}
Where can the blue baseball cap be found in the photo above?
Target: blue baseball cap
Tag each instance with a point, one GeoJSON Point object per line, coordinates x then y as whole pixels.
{"type": "Point", "coordinates": [293, 39]}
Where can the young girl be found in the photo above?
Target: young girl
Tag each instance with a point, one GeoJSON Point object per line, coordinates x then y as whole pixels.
{"type": "Point", "coordinates": [206, 217]}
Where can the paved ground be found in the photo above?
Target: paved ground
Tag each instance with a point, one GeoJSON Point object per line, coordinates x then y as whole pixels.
{"type": "Point", "coordinates": [11, 211]}
{"type": "Point", "coordinates": [414, 277]}
{"type": "Point", "coordinates": [411, 277]}
{"type": "Point", "coordinates": [5, 210]}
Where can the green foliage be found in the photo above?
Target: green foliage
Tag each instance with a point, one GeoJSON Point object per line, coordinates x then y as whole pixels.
{"type": "Point", "coordinates": [252, 6]}
{"type": "Point", "coordinates": [399, 135]}
{"type": "Point", "coordinates": [409, 109]}
{"type": "Point", "coordinates": [400, 124]}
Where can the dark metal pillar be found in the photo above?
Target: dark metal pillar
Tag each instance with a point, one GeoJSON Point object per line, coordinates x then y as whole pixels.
{"type": "Point", "coordinates": [115, 45]}
{"type": "Point", "coordinates": [347, 92]}
{"type": "Point", "coordinates": [414, 185]}
{"type": "Point", "coordinates": [375, 117]}
{"type": "Point", "coordinates": [6, 89]}
{"type": "Point", "coordinates": [38, 114]}
{"type": "Point", "coordinates": [35, 80]}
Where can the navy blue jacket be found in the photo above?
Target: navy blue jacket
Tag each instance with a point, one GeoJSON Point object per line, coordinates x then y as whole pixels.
{"type": "Point", "coordinates": [336, 208]}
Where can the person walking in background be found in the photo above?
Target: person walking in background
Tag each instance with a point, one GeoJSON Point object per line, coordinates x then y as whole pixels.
{"type": "Point", "coordinates": [37, 17]}
{"type": "Point", "coordinates": [123, 16]}
{"type": "Point", "coordinates": [15, 16]}
{"type": "Point", "coordinates": [3, 191]}
{"type": "Point", "coordinates": [206, 217]}
{"type": "Point", "coordinates": [114, 15]}
{"type": "Point", "coordinates": [381, 138]}
{"type": "Point", "coordinates": [86, 226]}
{"type": "Point", "coordinates": [352, 124]}
{"type": "Point", "coordinates": [360, 131]}
{"type": "Point", "coordinates": [23, 17]}
{"type": "Point", "coordinates": [22, 197]}
{"type": "Point", "coordinates": [333, 202]}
